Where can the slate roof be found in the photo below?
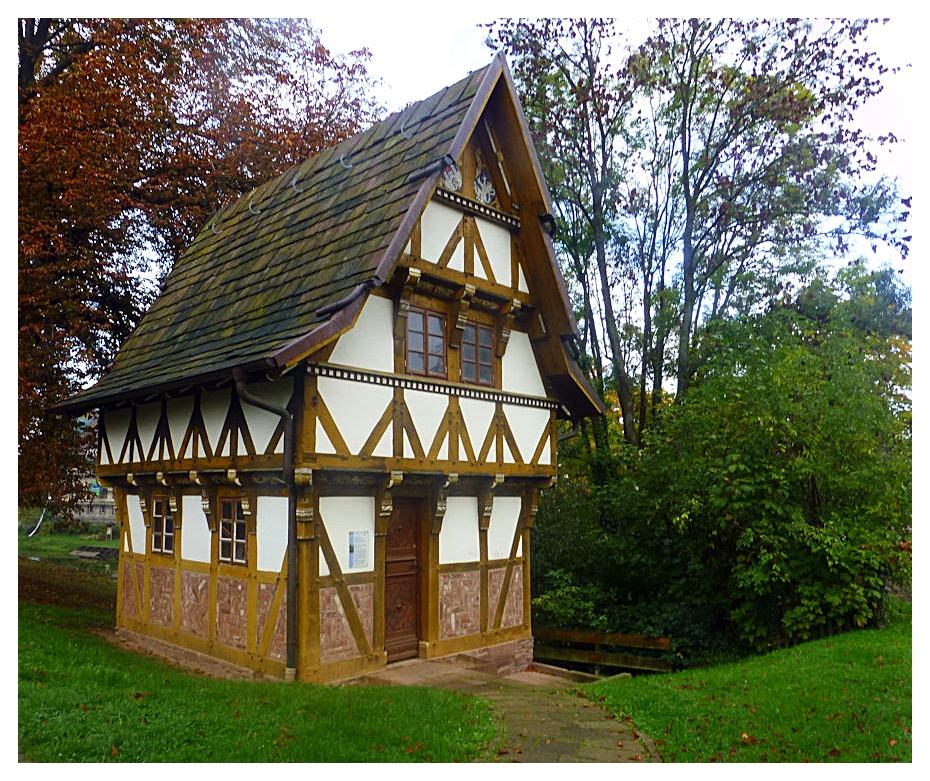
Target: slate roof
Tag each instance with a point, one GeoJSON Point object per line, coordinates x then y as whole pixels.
{"type": "Point", "coordinates": [248, 292]}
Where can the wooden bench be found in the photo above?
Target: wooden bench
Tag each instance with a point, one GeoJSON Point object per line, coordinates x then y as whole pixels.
{"type": "Point", "coordinates": [600, 649]}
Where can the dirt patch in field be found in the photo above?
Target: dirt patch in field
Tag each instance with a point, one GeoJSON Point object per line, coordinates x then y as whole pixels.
{"type": "Point", "coordinates": [52, 584]}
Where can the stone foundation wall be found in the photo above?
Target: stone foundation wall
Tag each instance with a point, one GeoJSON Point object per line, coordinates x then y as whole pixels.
{"type": "Point", "coordinates": [232, 599]}
{"type": "Point", "coordinates": [277, 647]}
{"type": "Point", "coordinates": [513, 607]}
{"type": "Point", "coordinates": [195, 609]}
{"type": "Point", "coordinates": [502, 659]}
{"type": "Point", "coordinates": [161, 596]}
{"type": "Point", "coordinates": [459, 604]}
{"type": "Point", "coordinates": [337, 642]}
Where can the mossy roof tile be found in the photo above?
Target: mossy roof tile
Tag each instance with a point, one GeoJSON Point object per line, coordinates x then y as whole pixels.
{"type": "Point", "coordinates": [261, 268]}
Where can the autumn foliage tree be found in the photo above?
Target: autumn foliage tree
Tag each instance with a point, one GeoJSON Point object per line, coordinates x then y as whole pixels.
{"type": "Point", "coordinates": [131, 133]}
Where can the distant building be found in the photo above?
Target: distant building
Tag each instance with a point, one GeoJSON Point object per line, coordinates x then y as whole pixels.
{"type": "Point", "coordinates": [100, 508]}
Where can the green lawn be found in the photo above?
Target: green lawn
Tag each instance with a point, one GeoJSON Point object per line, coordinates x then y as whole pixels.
{"type": "Point", "coordinates": [841, 699]}
{"type": "Point", "coordinates": [83, 699]}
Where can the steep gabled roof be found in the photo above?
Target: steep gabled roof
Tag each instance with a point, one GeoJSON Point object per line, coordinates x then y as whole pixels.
{"type": "Point", "coordinates": [285, 269]}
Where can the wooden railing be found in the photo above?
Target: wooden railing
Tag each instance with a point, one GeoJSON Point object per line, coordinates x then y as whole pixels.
{"type": "Point", "coordinates": [600, 649]}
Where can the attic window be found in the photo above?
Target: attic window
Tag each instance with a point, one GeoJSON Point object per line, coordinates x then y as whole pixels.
{"type": "Point", "coordinates": [426, 343]}
{"type": "Point", "coordinates": [477, 354]}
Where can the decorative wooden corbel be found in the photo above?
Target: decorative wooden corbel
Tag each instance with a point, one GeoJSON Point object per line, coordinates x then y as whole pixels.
{"type": "Point", "coordinates": [233, 477]}
{"type": "Point", "coordinates": [530, 506]}
{"type": "Point", "coordinates": [173, 509]}
{"type": "Point", "coordinates": [194, 477]}
{"type": "Point", "coordinates": [487, 502]}
{"type": "Point", "coordinates": [207, 506]}
{"type": "Point", "coordinates": [304, 504]}
{"type": "Point", "coordinates": [441, 503]}
{"type": "Point", "coordinates": [160, 479]}
{"type": "Point", "coordinates": [505, 326]}
{"type": "Point", "coordinates": [384, 502]}
{"type": "Point", "coordinates": [403, 307]}
{"type": "Point", "coordinates": [144, 507]}
{"type": "Point", "coordinates": [460, 315]}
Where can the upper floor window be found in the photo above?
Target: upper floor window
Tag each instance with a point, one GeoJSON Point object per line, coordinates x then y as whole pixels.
{"type": "Point", "coordinates": [232, 532]}
{"type": "Point", "coordinates": [162, 526]}
{"type": "Point", "coordinates": [426, 343]}
{"type": "Point", "coordinates": [477, 354]}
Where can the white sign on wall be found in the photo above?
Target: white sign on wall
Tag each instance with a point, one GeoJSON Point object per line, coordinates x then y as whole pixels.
{"type": "Point", "coordinates": [358, 549]}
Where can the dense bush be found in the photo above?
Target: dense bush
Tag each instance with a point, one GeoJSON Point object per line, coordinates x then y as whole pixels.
{"type": "Point", "coordinates": [772, 506]}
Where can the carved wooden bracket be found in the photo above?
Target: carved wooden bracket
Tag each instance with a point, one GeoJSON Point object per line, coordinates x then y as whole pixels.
{"type": "Point", "coordinates": [305, 504]}
{"type": "Point", "coordinates": [384, 501]}
{"type": "Point", "coordinates": [487, 503]}
{"type": "Point", "coordinates": [441, 502]}
{"type": "Point", "coordinates": [460, 316]}
{"type": "Point", "coordinates": [207, 506]}
{"type": "Point", "coordinates": [173, 509]}
{"type": "Point", "coordinates": [144, 507]}
{"type": "Point", "coordinates": [530, 506]}
{"type": "Point", "coordinates": [505, 326]}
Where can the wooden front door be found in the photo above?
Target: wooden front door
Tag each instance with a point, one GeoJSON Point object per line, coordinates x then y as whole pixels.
{"type": "Point", "coordinates": [401, 581]}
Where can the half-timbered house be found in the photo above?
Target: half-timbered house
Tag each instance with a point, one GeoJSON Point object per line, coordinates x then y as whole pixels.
{"type": "Point", "coordinates": [327, 436]}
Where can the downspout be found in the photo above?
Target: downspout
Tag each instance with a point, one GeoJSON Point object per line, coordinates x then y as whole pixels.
{"type": "Point", "coordinates": [360, 289]}
{"type": "Point", "coordinates": [288, 420]}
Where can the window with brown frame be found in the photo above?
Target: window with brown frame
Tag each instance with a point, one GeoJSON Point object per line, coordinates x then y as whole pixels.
{"type": "Point", "coordinates": [232, 532]}
{"type": "Point", "coordinates": [477, 354]}
{"type": "Point", "coordinates": [426, 343]}
{"type": "Point", "coordinates": [162, 526]}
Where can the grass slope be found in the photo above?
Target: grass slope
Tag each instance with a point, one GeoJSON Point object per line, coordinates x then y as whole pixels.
{"type": "Point", "coordinates": [841, 699]}
{"type": "Point", "coordinates": [83, 699]}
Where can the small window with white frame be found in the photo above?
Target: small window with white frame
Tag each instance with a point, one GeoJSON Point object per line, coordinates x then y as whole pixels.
{"type": "Point", "coordinates": [162, 526]}
{"type": "Point", "coordinates": [232, 532]}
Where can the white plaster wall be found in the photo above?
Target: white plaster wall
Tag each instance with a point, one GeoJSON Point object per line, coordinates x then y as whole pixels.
{"type": "Point", "coordinates": [195, 532]}
{"type": "Point", "coordinates": [426, 411]}
{"type": "Point", "coordinates": [262, 423]}
{"type": "Point", "coordinates": [214, 406]}
{"type": "Point", "coordinates": [528, 425]}
{"type": "Point", "coordinates": [117, 424]}
{"type": "Point", "coordinates": [147, 416]}
{"type": "Point", "coordinates": [505, 513]}
{"type": "Point", "coordinates": [356, 408]}
{"type": "Point", "coordinates": [519, 372]}
{"type": "Point", "coordinates": [179, 416]}
{"type": "Point", "coordinates": [271, 527]}
{"type": "Point", "coordinates": [136, 536]}
{"type": "Point", "coordinates": [496, 240]}
{"type": "Point", "coordinates": [458, 539]}
{"type": "Point", "coordinates": [370, 343]}
{"type": "Point", "coordinates": [437, 225]}
{"type": "Point", "coordinates": [323, 445]}
{"type": "Point", "coordinates": [344, 514]}
{"type": "Point", "coordinates": [477, 415]}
